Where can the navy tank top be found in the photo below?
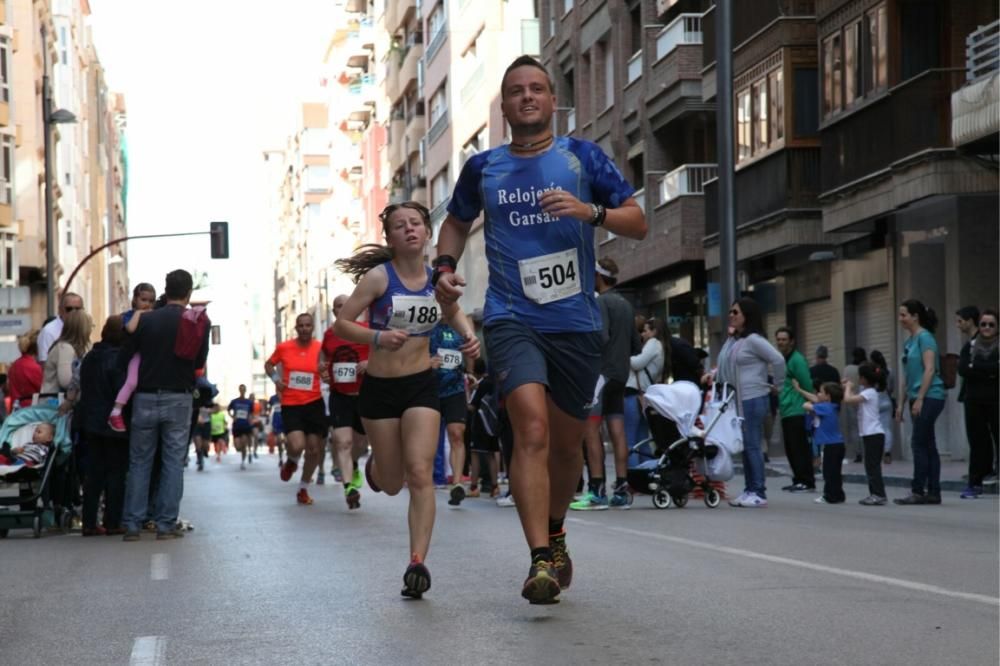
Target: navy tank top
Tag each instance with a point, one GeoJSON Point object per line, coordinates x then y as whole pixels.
{"type": "Point", "coordinates": [416, 312]}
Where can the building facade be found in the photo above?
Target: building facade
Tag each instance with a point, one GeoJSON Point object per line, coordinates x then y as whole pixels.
{"type": "Point", "coordinates": [89, 164]}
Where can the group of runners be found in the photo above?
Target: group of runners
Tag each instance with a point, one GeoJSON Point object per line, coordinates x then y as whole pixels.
{"type": "Point", "coordinates": [541, 196]}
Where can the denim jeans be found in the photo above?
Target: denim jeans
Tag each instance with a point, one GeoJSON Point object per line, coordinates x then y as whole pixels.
{"type": "Point", "coordinates": [754, 411]}
{"type": "Point", "coordinates": [159, 420]}
{"type": "Point", "coordinates": [636, 429]}
{"type": "Point", "coordinates": [926, 462]}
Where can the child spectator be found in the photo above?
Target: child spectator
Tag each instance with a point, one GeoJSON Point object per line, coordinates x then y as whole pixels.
{"type": "Point", "coordinates": [869, 428]}
{"type": "Point", "coordinates": [825, 408]}
{"type": "Point", "coordinates": [35, 452]}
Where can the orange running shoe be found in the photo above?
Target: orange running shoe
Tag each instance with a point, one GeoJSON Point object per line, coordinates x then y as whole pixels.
{"type": "Point", "coordinates": [302, 497]}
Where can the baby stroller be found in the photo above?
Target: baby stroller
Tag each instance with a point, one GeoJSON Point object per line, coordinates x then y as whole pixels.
{"type": "Point", "coordinates": [27, 502]}
{"type": "Point", "coordinates": [677, 441]}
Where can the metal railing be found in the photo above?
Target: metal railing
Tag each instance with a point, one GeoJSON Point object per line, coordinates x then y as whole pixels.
{"type": "Point", "coordinates": [685, 29]}
{"type": "Point", "coordinates": [437, 128]}
{"type": "Point", "coordinates": [982, 51]}
{"type": "Point", "coordinates": [635, 66]}
{"type": "Point", "coordinates": [686, 180]}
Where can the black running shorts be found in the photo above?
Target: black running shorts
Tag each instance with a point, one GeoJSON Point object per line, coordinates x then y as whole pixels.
{"type": "Point", "coordinates": [309, 418]}
{"type": "Point", "coordinates": [389, 397]}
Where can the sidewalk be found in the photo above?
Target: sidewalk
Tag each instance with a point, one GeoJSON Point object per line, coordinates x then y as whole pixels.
{"type": "Point", "coordinates": [897, 474]}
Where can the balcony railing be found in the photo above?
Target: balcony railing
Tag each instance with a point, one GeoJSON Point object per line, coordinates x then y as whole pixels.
{"type": "Point", "coordinates": [913, 117]}
{"type": "Point", "coordinates": [635, 66]}
{"type": "Point", "coordinates": [685, 29]}
{"type": "Point", "coordinates": [982, 51]}
{"type": "Point", "coordinates": [686, 180]}
{"type": "Point", "coordinates": [436, 41]}
{"type": "Point", "coordinates": [437, 129]}
{"type": "Point", "coordinates": [439, 211]}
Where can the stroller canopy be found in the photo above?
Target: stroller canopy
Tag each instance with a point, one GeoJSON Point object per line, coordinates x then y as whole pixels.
{"type": "Point", "coordinates": [680, 402]}
{"type": "Point", "coordinates": [39, 414]}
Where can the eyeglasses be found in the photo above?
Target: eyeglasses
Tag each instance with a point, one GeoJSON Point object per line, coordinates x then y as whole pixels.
{"type": "Point", "coordinates": [987, 324]}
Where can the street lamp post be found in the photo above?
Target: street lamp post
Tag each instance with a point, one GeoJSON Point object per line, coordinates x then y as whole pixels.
{"type": "Point", "coordinates": [50, 118]}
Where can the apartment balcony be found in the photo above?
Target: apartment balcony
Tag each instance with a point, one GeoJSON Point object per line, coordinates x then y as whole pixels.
{"type": "Point", "coordinates": [397, 13]}
{"type": "Point", "coordinates": [437, 128]}
{"type": "Point", "coordinates": [752, 16]}
{"type": "Point", "coordinates": [395, 147]}
{"type": "Point", "coordinates": [360, 43]}
{"type": "Point", "coordinates": [675, 76]}
{"type": "Point", "coordinates": [910, 122]}
{"type": "Point", "coordinates": [408, 70]}
{"type": "Point", "coordinates": [419, 195]}
{"type": "Point", "coordinates": [676, 226]}
{"type": "Point", "coordinates": [686, 180]}
{"type": "Point", "coordinates": [416, 128]}
{"type": "Point", "coordinates": [782, 185]}
{"type": "Point", "coordinates": [392, 67]}
{"type": "Point", "coordinates": [975, 107]}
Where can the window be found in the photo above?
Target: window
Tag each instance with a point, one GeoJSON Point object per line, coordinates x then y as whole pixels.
{"type": "Point", "coordinates": [440, 188]}
{"type": "Point", "coordinates": [855, 61]}
{"type": "Point", "coordinates": [760, 109]}
{"type": "Point", "coordinates": [63, 46]}
{"type": "Point", "coordinates": [69, 233]}
{"type": "Point", "coordinates": [743, 126]}
{"type": "Point", "coordinates": [5, 60]}
{"type": "Point", "coordinates": [435, 22]}
{"type": "Point", "coordinates": [7, 164]}
{"type": "Point", "coordinates": [609, 75]}
{"type": "Point", "coordinates": [317, 178]}
{"type": "Point", "coordinates": [567, 6]}
{"type": "Point", "coordinates": [439, 102]}
{"type": "Point", "coordinates": [10, 269]}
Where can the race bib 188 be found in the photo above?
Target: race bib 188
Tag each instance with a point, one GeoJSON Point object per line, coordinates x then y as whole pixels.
{"type": "Point", "coordinates": [303, 381]}
{"type": "Point", "coordinates": [414, 314]}
{"type": "Point", "coordinates": [345, 373]}
{"type": "Point", "coordinates": [550, 277]}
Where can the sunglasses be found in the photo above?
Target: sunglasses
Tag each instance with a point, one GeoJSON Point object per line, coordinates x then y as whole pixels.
{"type": "Point", "coordinates": [987, 324]}
{"type": "Point", "coordinates": [70, 308]}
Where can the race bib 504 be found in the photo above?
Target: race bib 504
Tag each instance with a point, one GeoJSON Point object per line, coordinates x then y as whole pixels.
{"type": "Point", "coordinates": [550, 277]}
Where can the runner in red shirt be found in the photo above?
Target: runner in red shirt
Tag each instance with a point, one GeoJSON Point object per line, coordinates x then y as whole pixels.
{"type": "Point", "coordinates": [301, 401]}
{"type": "Point", "coordinates": [342, 365]}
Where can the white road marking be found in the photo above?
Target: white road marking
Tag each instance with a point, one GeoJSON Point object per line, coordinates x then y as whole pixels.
{"type": "Point", "coordinates": [159, 568]}
{"type": "Point", "coordinates": [148, 651]}
{"type": "Point", "coordinates": [777, 559]}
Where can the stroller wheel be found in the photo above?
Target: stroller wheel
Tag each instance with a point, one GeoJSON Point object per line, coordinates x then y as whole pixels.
{"type": "Point", "coordinates": [680, 501]}
{"type": "Point", "coordinates": [36, 526]}
{"type": "Point", "coordinates": [712, 498]}
{"type": "Point", "coordinates": [661, 499]}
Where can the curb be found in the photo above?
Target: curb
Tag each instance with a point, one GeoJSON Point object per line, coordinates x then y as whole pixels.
{"type": "Point", "coordinates": [891, 481]}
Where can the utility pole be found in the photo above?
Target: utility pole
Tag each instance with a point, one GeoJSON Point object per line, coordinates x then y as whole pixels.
{"type": "Point", "coordinates": [724, 139]}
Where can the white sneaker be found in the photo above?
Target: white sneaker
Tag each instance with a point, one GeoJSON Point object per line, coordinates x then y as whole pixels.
{"type": "Point", "coordinates": [738, 501]}
{"type": "Point", "coordinates": [820, 500]}
{"type": "Point", "coordinates": [752, 501]}
{"type": "Point", "coordinates": [506, 500]}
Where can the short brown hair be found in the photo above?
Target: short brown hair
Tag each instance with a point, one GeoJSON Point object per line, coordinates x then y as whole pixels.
{"type": "Point", "coordinates": [113, 332]}
{"type": "Point", "coordinates": [834, 390]}
{"type": "Point", "coordinates": [525, 61]}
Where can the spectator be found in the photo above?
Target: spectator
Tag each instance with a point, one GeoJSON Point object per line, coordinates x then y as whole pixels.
{"type": "Point", "coordinates": [161, 409]}
{"type": "Point", "coordinates": [24, 379]}
{"type": "Point", "coordinates": [743, 363]}
{"type": "Point", "coordinates": [924, 391]}
{"type": "Point", "coordinates": [849, 411]}
{"type": "Point", "coordinates": [647, 368]}
{"type": "Point", "coordinates": [979, 366]}
{"type": "Point", "coordinates": [684, 361]}
{"type": "Point", "coordinates": [793, 414]}
{"type": "Point", "coordinates": [100, 378]}
{"type": "Point", "coordinates": [61, 372]}
{"type": "Point", "coordinates": [967, 321]}
{"type": "Point", "coordinates": [823, 372]}
{"type": "Point", "coordinates": [70, 302]}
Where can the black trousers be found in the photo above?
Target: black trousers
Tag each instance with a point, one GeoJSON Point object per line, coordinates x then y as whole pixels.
{"type": "Point", "coordinates": [873, 445]}
{"type": "Point", "coordinates": [833, 474]}
{"type": "Point", "coordinates": [798, 450]}
{"type": "Point", "coordinates": [981, 429]}
{"type": "Point", "coordinates": [106, 469]}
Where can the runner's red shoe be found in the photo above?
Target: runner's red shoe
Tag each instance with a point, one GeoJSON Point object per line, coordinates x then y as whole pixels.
{"type": "Point", "coordinates": [288, 469]}
{"type": "Point", "coordinates": [302, 497]}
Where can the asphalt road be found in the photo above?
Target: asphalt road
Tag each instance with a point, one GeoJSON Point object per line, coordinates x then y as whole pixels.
{"type": "Point", "coordinates": [263, 581]}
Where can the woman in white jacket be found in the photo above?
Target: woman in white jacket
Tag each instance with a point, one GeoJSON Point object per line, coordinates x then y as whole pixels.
{"type": "Point", "coordinates": [646, 369]}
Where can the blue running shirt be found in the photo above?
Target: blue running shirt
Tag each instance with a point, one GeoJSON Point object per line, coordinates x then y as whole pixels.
{"type": "Point", "coordinates": [446, 342]}
{"type": "Point", "coordinates": [541, 267]}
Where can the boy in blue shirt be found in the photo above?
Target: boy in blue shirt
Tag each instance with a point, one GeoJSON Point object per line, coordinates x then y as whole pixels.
{"type": "Point", "coordinates": [825, 409]}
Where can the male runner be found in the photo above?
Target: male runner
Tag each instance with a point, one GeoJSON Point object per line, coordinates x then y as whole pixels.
{"type": "Point", "coordinates": [542, 197]}
{"type": "Point", "coordinates": [239, 410]}
{"type": "Point", "coordinates": [302, 413]}
{"type": "Point", "coordinates": [342, 364]}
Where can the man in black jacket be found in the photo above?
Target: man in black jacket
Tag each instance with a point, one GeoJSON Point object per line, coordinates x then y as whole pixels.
{"type": "Point", "coordinates": [161, 410]}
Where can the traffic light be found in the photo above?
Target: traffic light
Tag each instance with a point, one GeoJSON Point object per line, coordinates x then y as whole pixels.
{"type": "Point", "coordinates": [219, 232]}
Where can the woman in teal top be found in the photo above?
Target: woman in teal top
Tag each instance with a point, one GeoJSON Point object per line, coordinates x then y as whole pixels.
{"type": "Point", "coordinates": [925, 394]}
